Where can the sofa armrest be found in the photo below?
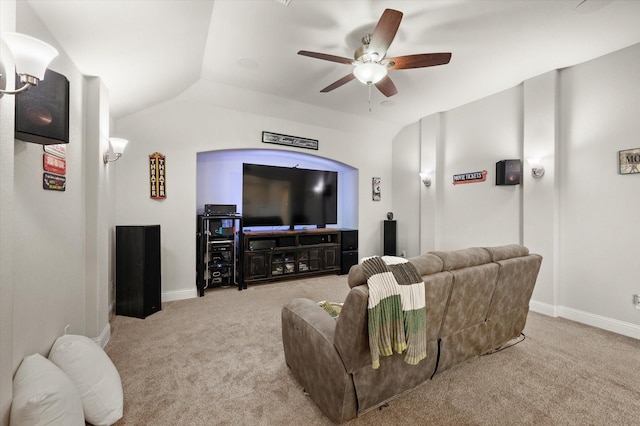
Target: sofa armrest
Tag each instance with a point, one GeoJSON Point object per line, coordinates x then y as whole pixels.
{"type": "Point", "coordinates": [307, 336]}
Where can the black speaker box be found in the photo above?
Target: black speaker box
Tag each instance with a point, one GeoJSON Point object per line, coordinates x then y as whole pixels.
{"type": "Point", "coordinates": [389, 246]}
{"type": "Point", "coordinates": [347, 260]}
{"type": "Point", "coordinates": [138, 274]}
{"type": "Point", "coordinates": [349, 239]}
{"type": "Point", "coordinates": [508, 172]}
{"type": "Point", "coordinates": [42, 112]}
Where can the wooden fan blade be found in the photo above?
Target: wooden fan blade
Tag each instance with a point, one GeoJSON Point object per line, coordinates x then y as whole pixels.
{"type": "Point", "coordinates": [418, 61]}
{"type": "Point", "coordinates": [385, 31]}
{"type": "Point", "coordinates": [326, 57]}
{"type": "Point", "coordinates": [347, 78]}
{"type": "Point", "coordinates": [386, 87]}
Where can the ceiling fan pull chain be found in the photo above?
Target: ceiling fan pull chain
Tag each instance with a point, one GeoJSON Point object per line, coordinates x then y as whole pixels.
{"type": "Point", "coordinates": [369, 96]}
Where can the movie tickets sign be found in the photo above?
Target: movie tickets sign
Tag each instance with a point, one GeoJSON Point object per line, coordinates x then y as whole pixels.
{"type": "Point", "coordinates": [471, 177]}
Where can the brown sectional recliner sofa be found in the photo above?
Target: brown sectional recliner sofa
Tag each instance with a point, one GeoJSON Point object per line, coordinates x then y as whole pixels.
{"type": "Point", "coordinates": [477, 299]}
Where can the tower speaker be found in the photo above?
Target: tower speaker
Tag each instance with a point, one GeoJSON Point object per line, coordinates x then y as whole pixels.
{"type": "Point", "coordinates": [389, 238]}
{"type": "Point", "coordinates": [508, 172]}
{"type": "Point", "coordinates": [138, 274]}
{"type": "Point", "coordinates": [42, 112]}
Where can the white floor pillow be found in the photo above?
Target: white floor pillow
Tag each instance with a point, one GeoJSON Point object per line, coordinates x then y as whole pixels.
{"type": "Point", "coordinates": [95, 377]}
{"type": "Point", "coordinates": [44, 395]}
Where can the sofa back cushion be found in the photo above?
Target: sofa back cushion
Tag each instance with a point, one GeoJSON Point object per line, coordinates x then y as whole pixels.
{"type": "Point", "coordinates": [463, 333]}
{"type": "Point", "coordinates": [506, 252]}
{"type": "Point", "coordinates": [510, 303]}
{"type": "Point", "coordinates": [457, 259]}
{"type": "Point", "coordinates": [351, 337]}
{"type": "Point", "coordinates": [427, 264]}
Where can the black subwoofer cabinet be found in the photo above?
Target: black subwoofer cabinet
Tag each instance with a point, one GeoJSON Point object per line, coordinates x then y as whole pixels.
{"type": "Point", "coordinates": [138, 280]}
{"type": "Point", "coordinates": [349, 250]}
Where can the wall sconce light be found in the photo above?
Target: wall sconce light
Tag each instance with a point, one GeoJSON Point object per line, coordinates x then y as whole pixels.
{"type": "Point", "coordinates": [426, 179]}
{"type": "Point", "coordinates": [537, 169]}
{"type": "Point", "coordinates": [31, 57]}
{"type": "Point", "coordinates": [116, 147]}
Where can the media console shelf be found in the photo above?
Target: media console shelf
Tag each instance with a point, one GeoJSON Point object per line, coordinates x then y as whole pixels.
{"type": "Point", "coordinates": [276, 255]}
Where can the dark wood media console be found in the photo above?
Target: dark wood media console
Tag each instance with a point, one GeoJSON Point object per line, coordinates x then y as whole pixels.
{"type": "Point", "coordinates": [276, 255]}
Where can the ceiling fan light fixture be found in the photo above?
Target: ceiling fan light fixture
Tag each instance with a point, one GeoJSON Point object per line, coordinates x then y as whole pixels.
{"type": "Point", "coordinates": [370, 72]}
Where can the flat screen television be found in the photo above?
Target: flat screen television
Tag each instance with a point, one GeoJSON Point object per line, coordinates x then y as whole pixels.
{"type": "Point", "coordinates": [288, 196]}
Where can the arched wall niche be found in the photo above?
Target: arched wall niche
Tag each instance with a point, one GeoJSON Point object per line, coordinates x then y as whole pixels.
{"type": "Point", "coordinates": [219, 178]}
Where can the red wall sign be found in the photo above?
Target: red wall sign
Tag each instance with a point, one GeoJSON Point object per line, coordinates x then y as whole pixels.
{"type": "Point", "coordinates": [54, 164]}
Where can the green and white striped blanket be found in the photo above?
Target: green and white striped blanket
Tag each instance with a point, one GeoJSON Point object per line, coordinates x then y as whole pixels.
{"type": "Point", "coordinates": [396, 309]}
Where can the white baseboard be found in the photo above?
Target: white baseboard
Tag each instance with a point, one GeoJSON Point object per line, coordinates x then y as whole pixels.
{"type": "Point", "coordinates": [610, 324]}
{"type": "Point", "coordinates": [171, 296]}
{"type": "Point", "coordinates": [543, 308]}
{"type": "Point", "coordinates": [594, 320]}
{"type": "Point", "coordinates": [104, 336]}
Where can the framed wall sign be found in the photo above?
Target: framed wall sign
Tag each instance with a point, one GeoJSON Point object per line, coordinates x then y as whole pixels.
{"type": "Point", "coordinates": [53, 182]}
{"type": "Point", "coordinates": [629, 161]}
{"type": "Point", "coordinates": [298, 142]}
{"type": "Point", "coordinates": [54, 165]}
{"type": "Point", "coordinates": [157, 176]}
{"type": "Point", "coordinates": [376, 190]}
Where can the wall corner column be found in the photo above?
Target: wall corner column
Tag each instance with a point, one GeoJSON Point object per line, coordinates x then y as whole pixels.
{"type": "Point", "coordinates": [540, 204]}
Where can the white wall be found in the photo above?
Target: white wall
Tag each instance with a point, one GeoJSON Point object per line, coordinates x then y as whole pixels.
{"type": "Point", "coordinates": [406, 184]}
{"type": "Point", "coordinates": [7, 106]}
{"type": "Point", "coordinates": [46, 278]}
{"type": "Point", "coordinates": [581, 216]}
{"type": "Point", "coordinates": [540, 209]}
{"type": "Point", "coordinates": [600, 110]}
{"type": "Point", "coordinates": [49, 238]}
{"type": "Point", "coordinates": [182, 128]}
{"type": "Point", "coordinates": [472, 138]}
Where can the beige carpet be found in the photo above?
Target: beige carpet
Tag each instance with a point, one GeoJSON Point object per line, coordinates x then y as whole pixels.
{"type": "Point", "coordinates": [218, 360]}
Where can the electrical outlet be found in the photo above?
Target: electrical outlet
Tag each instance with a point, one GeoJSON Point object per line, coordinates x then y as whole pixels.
{"type": "Point", "coordinates": [403, 253]}
{"type": "Point", "coordinates": [636, 300]}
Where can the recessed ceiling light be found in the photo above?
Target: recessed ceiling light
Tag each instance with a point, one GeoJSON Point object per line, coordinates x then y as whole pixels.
{"type": "Point", "coordinates": [248, 63]}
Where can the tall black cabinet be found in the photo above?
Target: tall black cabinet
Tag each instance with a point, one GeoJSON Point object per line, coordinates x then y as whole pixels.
{"type": "Point", "coordinates": [138, 281]}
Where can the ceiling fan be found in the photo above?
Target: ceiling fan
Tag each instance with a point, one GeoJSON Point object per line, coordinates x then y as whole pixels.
{"type": "Point", "coordinates": [370, 64]}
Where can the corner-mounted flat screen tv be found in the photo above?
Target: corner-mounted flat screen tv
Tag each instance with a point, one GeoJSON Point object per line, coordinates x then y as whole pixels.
{"type": "Point", "coordinates": [288, 196]}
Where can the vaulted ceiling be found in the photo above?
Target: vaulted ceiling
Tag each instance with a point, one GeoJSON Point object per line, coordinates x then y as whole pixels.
{"type": "Point", "coordinates": [150, 51]}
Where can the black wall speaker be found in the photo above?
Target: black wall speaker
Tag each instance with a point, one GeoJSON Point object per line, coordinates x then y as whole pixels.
{"type": "Point", "coordinates": [508, 172]}
{"type": "Point", "coordinates": [42, 112]}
